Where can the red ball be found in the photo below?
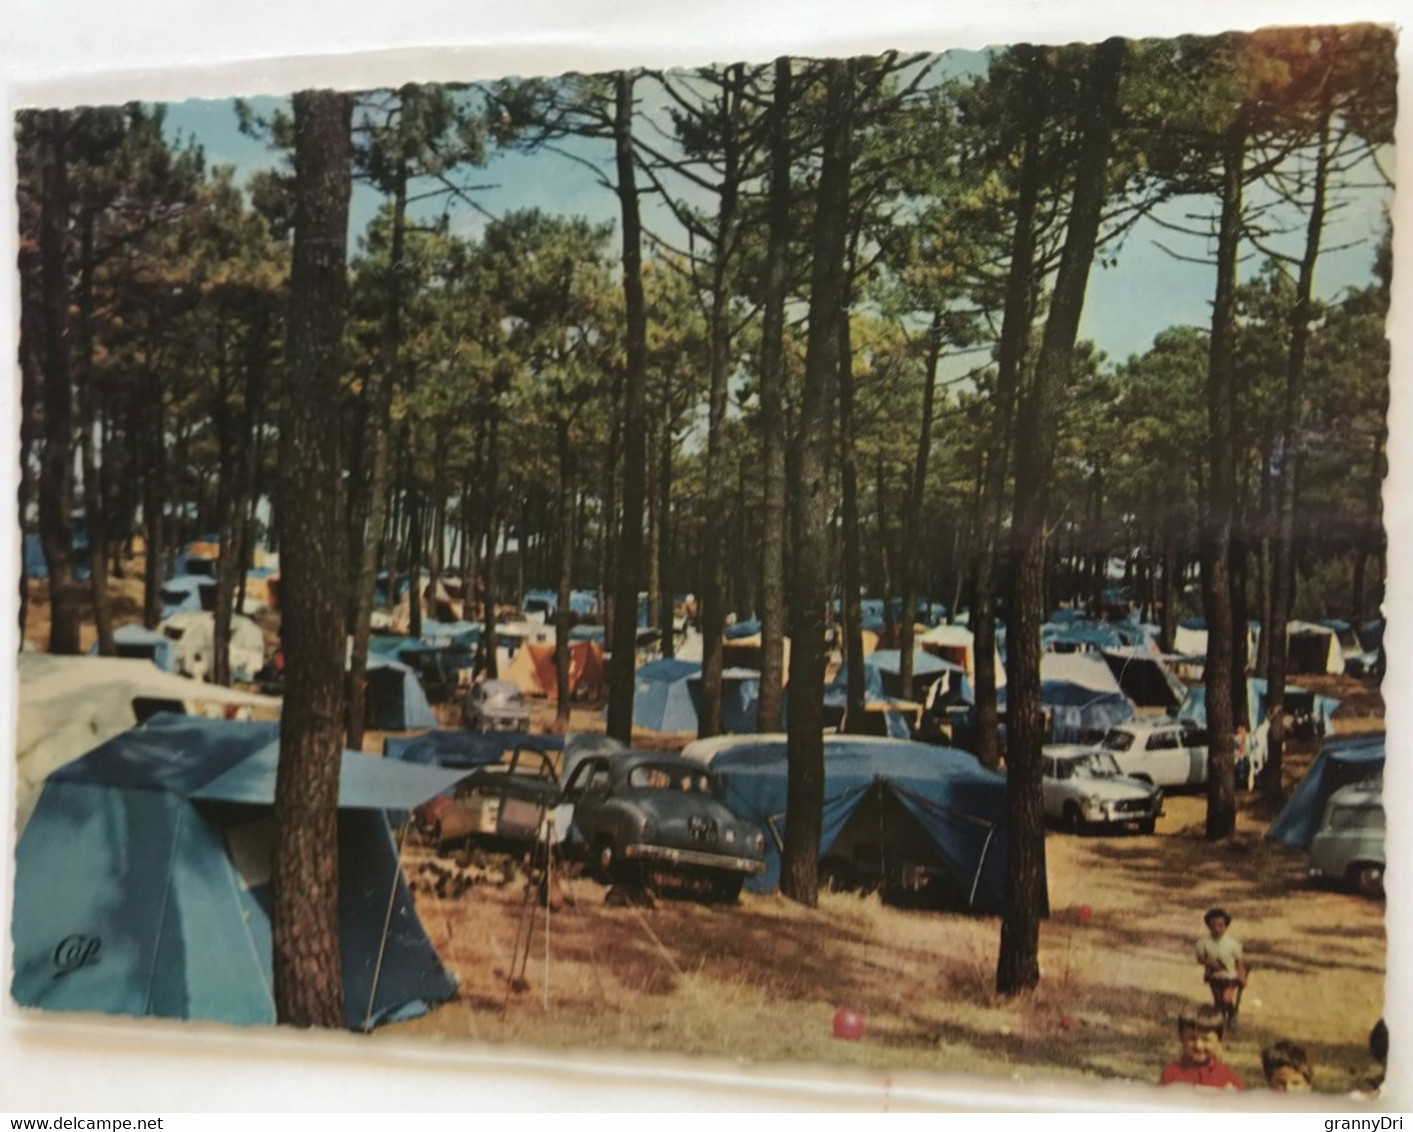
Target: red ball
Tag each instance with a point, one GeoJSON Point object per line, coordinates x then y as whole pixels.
{"type": "Point", "coordinates": [848, 1024]}
{"type": "Point", "coordinates": [1084, 913]}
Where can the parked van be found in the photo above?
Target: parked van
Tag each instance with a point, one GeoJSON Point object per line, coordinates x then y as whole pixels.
{"type": "Point", "coordinates": [1348, 848]}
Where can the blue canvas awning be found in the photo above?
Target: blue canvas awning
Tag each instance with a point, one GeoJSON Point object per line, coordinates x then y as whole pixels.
{"type": "Point", "coordinates": [1342, 761]}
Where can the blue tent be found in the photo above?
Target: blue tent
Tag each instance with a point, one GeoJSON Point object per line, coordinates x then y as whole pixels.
{"type": "Point", "coordinates": [957, 805]}
{"type": "Point", "coordinates": [187, 594]}
{"type": "Point", "coordinates": [1298, 701]}
{"type": "Point", "coordinates": [396, 701]}
{"type": "Point", "coordinates": [741, 630]}
{"type": "Point", "coordinates": [465, 749]}
{"type": "Point", "coordinates": [584, 603]}
{"type": "Point", "coordinates": [540, 601]}
{"type": "Point", "coordinates": [588, 633]}
{"type": "Point", "coordinates": [883, 673]}
{"type": "Point", "coordinates": [1080, 636]}
{"type": "Point", "coordinates": [1078, 713]}
{"type": "Point", "coordinates": [37, 565]}
{"type": "Point", "coordinates": [137, 642]}
{"type": "Point", "coordinates": [1342, 761]}
{"type": "Point", "coordinates": [662, 698]}
{"type": "Point", "coordinates": [161, 843]}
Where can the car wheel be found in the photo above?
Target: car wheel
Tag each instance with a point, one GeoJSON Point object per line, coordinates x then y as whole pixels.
{"type": "Point", "coordinates": [1147, 826]}
{"type": "Point", "coordinates": [1367, 879]}
{"type": "Point", "coordinates": [1073, 818]}
{"type": "Point", "coordinates": [726, 887]}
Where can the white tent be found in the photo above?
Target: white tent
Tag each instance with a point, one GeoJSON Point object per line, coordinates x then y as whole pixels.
{"type": "Point", "coordinates": [1087, 669]}
{"type": "Point", "coordinates": [1313, 648]}
{"type": "Point", "coordinates": [70, 704]}
{"type": "Point", "coordinates": [194, 635]}
{"type": "Point", "coordinates": [957, 644]}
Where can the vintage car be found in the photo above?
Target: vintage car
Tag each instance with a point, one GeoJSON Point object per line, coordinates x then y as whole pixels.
{"type": "Point", "coordinates": [1348, 848]}
{"type": "Point", "coordinates": [501, 808]}
{"type": "Point", "coordinates": [1166, 753]}
{"type": "Point", "coordinates": [1084, 789]}
{"type": "Point", "coordinates": [644, 816]}
{"type": "Point", "coordinates": [495, 705]}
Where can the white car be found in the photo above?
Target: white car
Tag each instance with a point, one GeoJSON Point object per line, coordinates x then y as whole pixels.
{"type": "Point", "coordinates": [1173, 753]}
{"type": "Point", "coordinates": [1083, 788]}
{"type": "Point", "coordinates": [1348, 849]}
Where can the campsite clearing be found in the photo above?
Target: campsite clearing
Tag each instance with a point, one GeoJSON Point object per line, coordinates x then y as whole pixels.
{"type": "Point", "coordinates": [761, 980]}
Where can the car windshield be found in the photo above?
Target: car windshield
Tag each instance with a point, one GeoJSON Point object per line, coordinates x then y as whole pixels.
{"type": "Point", "coordinates": [656, 776]}
{"type": "Point", "coordinates": [1355, 817]}
{"type": "Point", "coordinates": [1118, 740]}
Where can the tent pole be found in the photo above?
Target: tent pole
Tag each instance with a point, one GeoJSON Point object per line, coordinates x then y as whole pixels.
{"type": "Point", "coordinates": [387, 924]}
{"type": "Point", "coordinates": [980, 864]}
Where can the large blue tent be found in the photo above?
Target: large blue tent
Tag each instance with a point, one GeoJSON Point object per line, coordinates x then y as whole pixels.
{"type": "Point", "coordinates": [1348, 759]}
{"type": "Point", "coordinates": [465, 749]}
{"type": "Point", "coordinates": [883, 672]}
{"type": "Point", "coordinates": [396, 701]}
{"type": "Point", "coordinates": [137, 642]}
{"type": "Point", "coordinates": [143, 881]}
{"type": "Point", "coordinates": [1298, 701]}
{"type": "Point", "coordinates": [667, 697]}
{"type": "Point", "coordinates": [958, 805]}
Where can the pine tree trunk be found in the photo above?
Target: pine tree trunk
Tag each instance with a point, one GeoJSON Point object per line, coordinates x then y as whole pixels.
{"type": "Point", "coordinates": [628, 564]}
{"type": "Point", "coordinates": [1010, 361]}
{"type": "Point", "coordinates": [308, 968]}
{"type": "Point", "coordinates": [1221, 491]}
{"type": "Point", "coordinates": [1283, 589]}
{"type": "Point", "coordinates": [566, 573]}
{"type": "Point", "coordinates": [912, 515]}
{"type": "Point", "coordinates": [95, 506]}
{"type": "Point", "coordinates": [667, 609]}
{"type": "Point", "coordinates": [713, 595]}
{"type": "Point", "coordinates": [227, 475]}
{"type": "Point", "coordinates": [56, 473]}
{"type": "Point", "coordinates": [854, 690]}
{"type": "Point", "coordinates": [772, 411]}
{"type": "Point", "coordinates": [1018, 964]}
{"type": "Point", "coordinates": [377, 441]}
{"type": "Point", "coordinates": [810, 496]}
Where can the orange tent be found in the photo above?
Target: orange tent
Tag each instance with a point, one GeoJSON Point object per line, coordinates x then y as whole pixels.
{"type": "Point", "coordinates": [533, 670]}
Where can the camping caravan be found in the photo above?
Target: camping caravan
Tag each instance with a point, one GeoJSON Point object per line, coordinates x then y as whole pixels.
{"type": "Point", "coordinates": [162, 844]}
{"type": "Point", "coordinates": [923, 821]}
{"type": "Point", "coordinates": [69, 705]}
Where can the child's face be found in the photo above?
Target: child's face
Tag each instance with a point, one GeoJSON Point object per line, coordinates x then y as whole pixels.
{"type": "Point", "coordinates": [1217, 926]}
{"type": "Point", "coordinates": [1288, 1079]}
{"type": "Point", "coordinates": [1199, 1046]}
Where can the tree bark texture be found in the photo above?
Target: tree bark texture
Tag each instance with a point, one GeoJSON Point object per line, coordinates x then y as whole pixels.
{"type": "Point", "coordinates": [810, 497]}
{"type": "Point", "coordinates": [1018, 964]}
{"type": "Point", "coordinates": [628, 563]}
{"type": "Point", "coordinates": [307, 954]}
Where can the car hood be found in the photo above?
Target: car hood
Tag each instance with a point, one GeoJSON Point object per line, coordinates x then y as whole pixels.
{"type": "Point", "coordinates": [1112, 788]}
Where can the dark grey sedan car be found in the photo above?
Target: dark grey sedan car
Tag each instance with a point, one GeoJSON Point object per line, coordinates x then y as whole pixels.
{"type": "Point", "coordinates": [640, 815]}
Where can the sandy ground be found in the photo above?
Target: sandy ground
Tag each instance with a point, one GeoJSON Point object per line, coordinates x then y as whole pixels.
{"type": "Point", "coordinates": [760, 980]}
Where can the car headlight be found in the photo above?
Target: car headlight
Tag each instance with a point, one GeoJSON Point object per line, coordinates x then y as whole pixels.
{"type": "Point", "coordinates": [730, 837]}
{"type": "Point", "coordinates": [1089, 802]}
{"type": "Point", "coordinates": [760, 843]}
{"type": "Point", "coordinates": [645, 827]}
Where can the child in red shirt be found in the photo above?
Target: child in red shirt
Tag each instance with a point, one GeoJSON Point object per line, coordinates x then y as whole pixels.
{"type": "Point", "coordinates": [1200, 1062]}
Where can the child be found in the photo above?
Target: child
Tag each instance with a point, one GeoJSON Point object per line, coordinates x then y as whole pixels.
{"type": "Point", "coordinates": [1287, 1068]}
{"type": "Point", "coordinates": [1222, 964]}
{"type": "Point", "coordinates": [1200, 1062]}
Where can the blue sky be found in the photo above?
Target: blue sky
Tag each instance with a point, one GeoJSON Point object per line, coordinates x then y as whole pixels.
{"type": "Point", "coordinates": [1128, 303]}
